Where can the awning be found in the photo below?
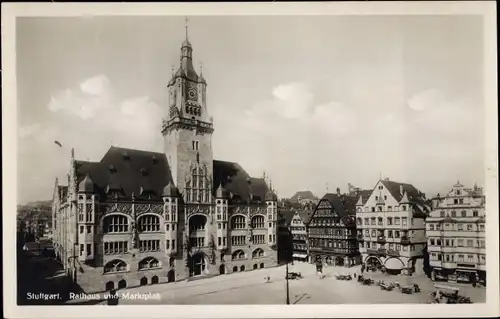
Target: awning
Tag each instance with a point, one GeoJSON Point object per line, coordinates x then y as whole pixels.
{"type": "Point", "coordinates": [394, 264]}
{"type": "Point", "coordinates": [300, 255]}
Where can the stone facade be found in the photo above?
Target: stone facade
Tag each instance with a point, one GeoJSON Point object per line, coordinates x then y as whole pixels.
{"type": "Point", "coordinates": [456, 238]}
{"type": "Point", "coordinates": [140, 218]}
{"type": "Point", "coordinates": [390, 227]}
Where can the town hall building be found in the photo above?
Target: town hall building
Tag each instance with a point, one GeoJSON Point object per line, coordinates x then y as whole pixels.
{"type": "Point", "coordinates": [139, 218]}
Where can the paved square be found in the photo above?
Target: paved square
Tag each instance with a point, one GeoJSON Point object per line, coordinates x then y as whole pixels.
{"type": "Point", "coordinates": [251, 288]}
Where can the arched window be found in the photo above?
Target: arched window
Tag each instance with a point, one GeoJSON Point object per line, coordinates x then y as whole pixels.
{"type": "Point", "coordinates": [197, 222]}
{"type": "Point", "coordinates": [115, 224]}
{"type": "Point", "coordinates": [258, 221]}
{"type": "Point", "coordinates": [257, 253]}
{"type": "Point", "coordinates": [149, 223]}
{"type": "Point", "coordinates": [238, 222]}
{"type": "Point", "coordinates": [239, 254]}
{"type": "Point", "coordinates": [149, 263]}
{"type": "Point", "coordinates": [115, 266]}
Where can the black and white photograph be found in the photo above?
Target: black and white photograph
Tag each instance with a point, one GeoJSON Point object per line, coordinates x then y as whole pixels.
{"type": "Point", "coordinates": [191, 156]}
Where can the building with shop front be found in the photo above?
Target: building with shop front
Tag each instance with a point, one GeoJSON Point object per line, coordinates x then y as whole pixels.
{"type": "Point", "coordinates": [456, 235]}
{"type": "Point", "coordinates": [332, 230]}
{"type": "Point", "coordinates": [390, 227]}
{"type": "Point", "coordinates": [138, 217]}
{"type": "Point", "coordinates": [298, 230]}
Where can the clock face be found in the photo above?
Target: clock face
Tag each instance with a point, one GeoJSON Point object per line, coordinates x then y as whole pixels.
{"type": "Point", "coordinates": [192, 94]}
{"type": "Point", "coordinates": [192, 91]}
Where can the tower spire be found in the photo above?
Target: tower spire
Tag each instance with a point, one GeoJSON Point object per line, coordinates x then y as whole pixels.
{"type": "Point", "coordinates": [186, 19]}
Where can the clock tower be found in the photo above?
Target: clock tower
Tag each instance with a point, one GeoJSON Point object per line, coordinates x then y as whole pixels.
{"type": "Point", "coordinates": [187, 131]}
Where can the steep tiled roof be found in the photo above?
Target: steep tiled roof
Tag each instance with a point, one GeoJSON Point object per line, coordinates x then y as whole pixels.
{"type": "Point", "coordinates": [131, 171]}
{"type": "Point", "coordinates": [414, 196]}
{"type": "Point", "coordinates": [364, 194]}
{"type": "Point", "coordinates": [305, 216]}
{"type": "Point", "coordinates": [237, 181]}
{"type": "Point", "coordinates": [144, 173]}
{"type": "Point", "coordinates": [285, 216]}
{"type": "Point", "coordinates": [343, 204]}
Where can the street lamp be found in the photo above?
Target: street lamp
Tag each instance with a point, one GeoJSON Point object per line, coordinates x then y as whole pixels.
{"type": "Point", "coordinates": [286, 279]}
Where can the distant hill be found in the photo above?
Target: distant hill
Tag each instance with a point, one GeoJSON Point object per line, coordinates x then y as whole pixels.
{"type": "Point", "coordinates": [303, 195]}
{"type": "Point", "coordinates": [42, 208]}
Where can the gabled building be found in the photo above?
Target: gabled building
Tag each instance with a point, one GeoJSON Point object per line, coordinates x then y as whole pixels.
{"type": "Point", "coordinates": [137, 217]}
{"type": "Point", "coordinates": [390, 226]}
{"type": "Point", "coordinates": [456, 235]}
{"type": "Point", "coordinates": [332, 230]}
{"type": "Point", "coordinates": [299, 233]}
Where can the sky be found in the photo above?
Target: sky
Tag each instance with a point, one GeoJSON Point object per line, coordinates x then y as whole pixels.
{"type": "Point", "coordinates": [316, 102]}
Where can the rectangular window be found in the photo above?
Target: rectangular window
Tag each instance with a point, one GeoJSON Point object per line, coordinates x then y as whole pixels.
{"type": "Point", "coordinates": [470, 258]}
{"type": "Point", "coordinates": [404, 221]}
{"type": "Point", "coordinates": [173, 226]}
{"type": "Point", "coordinates": [431, 241]}
{"type": "Point", "coordinates": [224, 241]}
{"type": "Point", "coordinates": [89, 229]}
{"type": "Point", "coordinates": [89, 249]}
{"type": "Point", "coordinates": [469, 227]}
{"type": "Point", "coordinates": [219, 240]}
{"type": "Point", "coordinates": [167, 244]}
{"type": "Point", "coordinates": [173, 244]}
{"type": "Point", "coordinates": [396, 234]}
{"type": "Point", "coordinates": [240, 240]}
{"type": "Point", "coordinates": [149, 245]}
{"type": "Point", "coordinates": [258, 239]}
{"type": "Point", "coordinates": [389, 233]}
{"type": "Point", "coordinates": [470, 243]}
{"type": "Point", "coordinates": [460, 242]}
{"type": "Point", "coordinates": [396, 220]}
{"type": "Point", "coordinates": [373, 220]}
{"type": "Point", "coordinates": [374, 233]}
{"type": "Point", "coordinates": [81, 229]}
{"type": "Point", "coordinates": [460, 227]}
{"type": "Point", "coordinates": [431, 226]}
{"type": "Point", "coordinates": [398, 247]}
{"type": "Point", "coordinates": [380, 221]}
{"type": "Point", "coordinates": [82, 247]}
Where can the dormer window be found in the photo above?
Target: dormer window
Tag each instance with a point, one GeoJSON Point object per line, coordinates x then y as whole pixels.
{"type": "Point", "coordinates": [144, 171]}
{"type": "Point", "coordinates": [112, 168]}
{"type": "Point", "coordinates": [155, 160]}
{"type": "Point", "coordinates": [125, 156]}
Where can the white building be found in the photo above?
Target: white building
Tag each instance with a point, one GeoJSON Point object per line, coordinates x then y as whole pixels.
{"type": "Point", "coordinates": [391, 227]}
{"type": "Point", "coordinates": [456, 235]}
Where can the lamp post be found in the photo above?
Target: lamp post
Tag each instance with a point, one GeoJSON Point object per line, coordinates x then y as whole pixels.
{"type": "Point", "coordinates": [286, 277]}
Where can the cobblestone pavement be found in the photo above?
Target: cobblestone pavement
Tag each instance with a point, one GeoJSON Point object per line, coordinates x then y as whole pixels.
{"type": "Point", "coordinates": [251, 288]}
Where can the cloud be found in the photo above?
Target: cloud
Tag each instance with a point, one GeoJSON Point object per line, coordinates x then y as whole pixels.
{"type": "Point", "coordinates": [96, 85]}
{"type": "Point", "coordinates": [293, 100]}
{"type": "Point", "coordinates": [333, 117]}
{"type": "Point", "coordinates": [93, 94]}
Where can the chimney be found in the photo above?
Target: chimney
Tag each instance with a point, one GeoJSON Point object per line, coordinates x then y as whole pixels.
{"type": "Point", "coordinates": [401, 189]}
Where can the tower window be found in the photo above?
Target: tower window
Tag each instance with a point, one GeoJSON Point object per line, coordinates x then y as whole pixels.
{"type": "Point", "coordinates": [195, 145]}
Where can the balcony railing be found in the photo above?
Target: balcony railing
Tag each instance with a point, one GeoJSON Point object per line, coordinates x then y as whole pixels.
{"type": "Point", "coordinates": [405, 241]}
{"type": "Point", "coordinates": [381, 252]}
{"type": "Point", "coordinates": [393, 253]}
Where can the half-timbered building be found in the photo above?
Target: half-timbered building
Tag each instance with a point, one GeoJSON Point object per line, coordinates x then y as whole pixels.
{"type": "Point", "coordinates": [332, 231]}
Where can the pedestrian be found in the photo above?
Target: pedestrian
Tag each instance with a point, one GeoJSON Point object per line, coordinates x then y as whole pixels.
{"type": "Point", "coordinates": [362, 268]}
